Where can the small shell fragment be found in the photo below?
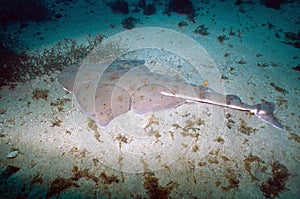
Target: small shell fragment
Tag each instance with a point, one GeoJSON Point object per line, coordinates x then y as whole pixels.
{"type": "Point", "coordinates": [12, 154]}
{"type": "Point", "coordinates": [205, 83]}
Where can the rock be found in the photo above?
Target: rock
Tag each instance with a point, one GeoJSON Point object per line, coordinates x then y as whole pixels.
{"type": "Point", "coordinates": [57, 16]}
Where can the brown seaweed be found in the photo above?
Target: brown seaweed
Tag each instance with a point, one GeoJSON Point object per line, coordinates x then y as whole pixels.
{"type": "Point", "coordinates": [154, 189]}
{"type": "Point", "coordinates": [277, 182]}
{"type": "Point", "coordinates": [245, 129]}
{"type": "Point", "coordinates": [39, 93]}
{"type": "Point", "coordinates": [59, 185]}
{"type": "Point", "coordinates": [247, 164]}
{"type": "Point", "coordinates": [10, 170]}
{"type": "Point", "coordinates": [109, 179]}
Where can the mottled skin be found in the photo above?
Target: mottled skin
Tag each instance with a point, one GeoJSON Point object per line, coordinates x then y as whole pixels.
{"type": "Point", "coordinates": [127, 84]}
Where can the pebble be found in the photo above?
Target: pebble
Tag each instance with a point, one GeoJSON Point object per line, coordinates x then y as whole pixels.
{"type": "Point", "coordinates": [12, 154]}
{"type": "Point", "coordinates": [3, 110]}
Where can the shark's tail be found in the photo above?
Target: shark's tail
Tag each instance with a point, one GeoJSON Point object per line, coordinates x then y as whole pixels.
{"type": "Point", "coordinates": [264, 111]}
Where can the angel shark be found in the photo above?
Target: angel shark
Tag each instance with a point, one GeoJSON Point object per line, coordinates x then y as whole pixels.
{"type": "Point", "coordinates": [129, 85]}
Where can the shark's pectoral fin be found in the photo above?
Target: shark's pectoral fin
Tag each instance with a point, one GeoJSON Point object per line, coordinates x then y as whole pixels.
{"type": "Point", "coordinates": [264, 111]}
